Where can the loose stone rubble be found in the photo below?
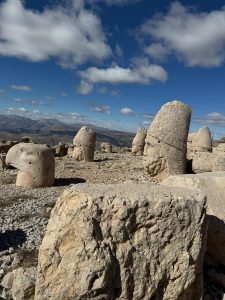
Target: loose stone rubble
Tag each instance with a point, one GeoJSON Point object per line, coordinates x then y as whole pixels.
{"type": "Point", "coordinates": [84, 144]}
{"type": "Point", "coordinates": [125, 241]}
{"type": "Point", "coordinates": [166, 142]}
{"type": "Point", "coordinates": [106, 147]}
{"type": "Point", "coordinates": [35, 164]}
{"type": "Point", "coordinates": [139, 141]}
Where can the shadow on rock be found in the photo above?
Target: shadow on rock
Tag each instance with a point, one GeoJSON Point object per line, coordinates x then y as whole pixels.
{"type": "Point", "coordinates": [12, 238]}
{"type": "Point", "coordinates": [68, 181]}
{"type": "Point", "coordinates": [102, 159]}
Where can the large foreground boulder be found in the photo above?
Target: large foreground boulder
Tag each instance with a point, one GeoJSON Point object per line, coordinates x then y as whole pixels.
{"type": "Point", "coordinates": [212, 185]}
{"type": "Point", "coordinates": [123, 241]}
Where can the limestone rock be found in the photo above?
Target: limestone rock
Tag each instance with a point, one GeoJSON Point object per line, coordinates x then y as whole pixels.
{"type": "Point", "coordinates": [138, 143]}
{"type": "Point", "coordinates": [106, 147]}
{"type": "Point", "coordinates": [2, 161]}
{"type": "Point", "coordinates": [84, 144]}
{"type": "Point", "coordinates": [189, 144]}
{"type": "Point", "coordinates": [208, 162]}
{"type": "Point", "coordinates": [202, 141]}
{"type": "Point", "coordinates": [123, 241]}
{"type": "Point", "coordinates": [166, 142]}
{"type": "Point", "coordinates": [35, 164]}
{"type": "Point", "coordinates": [220, 148]}
{"type": "Point", "coordinates": [19, 284]}
{"type": "Point", "coordinates": [212, 185]}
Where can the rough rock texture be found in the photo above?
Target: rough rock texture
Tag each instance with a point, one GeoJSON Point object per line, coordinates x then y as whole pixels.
{"type": "Point", "coordinates": [166, 142]}
{"type": "Point", "coordinates": [202, 162]}
{"type": "Point", "coordinates": [35, 164]}
{"type": "Point", "coordinates": [213, 185]}
{"type": "Point", "coordinates": [2, 161]}
{"type": "Point", "coordinates": [19, 284]}
{"type": "Point", "coordinates": [84, 144]}
{"type": "Point", "coordinates": [202, 141]}
{"type": "Point", "coordinates": [220, 148]}
{"type": "Point", "coordinates": [60, 150]}
{"type": "Point", "coordinates": [208, 162]}
{"type": "Point", "coordinates": [106, 147]}
{"type": "Point", "coordinates": [125, 241]}
{"type": "Point", "coordinates": [138, 143]}
{"type": "Point", "coordinates": [189, 144]}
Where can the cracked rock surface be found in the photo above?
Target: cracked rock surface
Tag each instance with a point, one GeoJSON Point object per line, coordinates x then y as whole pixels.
{"type": "Point", "coordinates": [123, 241]}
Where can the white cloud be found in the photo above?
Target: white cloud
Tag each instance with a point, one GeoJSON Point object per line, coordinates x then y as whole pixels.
{"type": "Point", "coordinates": [17, 99]}
{"type": "Point", "coordinates": [67, 117]}
{"type": "Point", "coordinates": [198, 39]}
{"type": "Point", "coordinates": [118, 51]}
{"type": "Point", "coordinates": [213, 118]}
{"type": "Point", "coordinates": [127, 111]}
{"type": "Point", "coordinates": [141, 73]}
{"type": "Point", "coordinates": [157, 51]}
{"type": "Point", "coordinates": [70, 34]}
{"type": "Point", "coordinates": [84, 88]}
{"type": "Point", "coordinates": [101, 109]}
{"type": "Point", "coordinates": [24, 88]}
{"type": "Point", "coordinates": [115, 2]}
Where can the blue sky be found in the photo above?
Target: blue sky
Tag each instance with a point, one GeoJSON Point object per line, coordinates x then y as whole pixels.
{"type": "Point", "coordinates": [113, 63]}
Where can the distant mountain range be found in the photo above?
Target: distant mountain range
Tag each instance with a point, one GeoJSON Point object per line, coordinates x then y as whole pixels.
{"type": "Point", "coordinates": [52, 131]}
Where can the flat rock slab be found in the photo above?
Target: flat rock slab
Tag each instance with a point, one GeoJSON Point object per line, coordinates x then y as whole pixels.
{"type": "Point", "coordinates": [123, 241]}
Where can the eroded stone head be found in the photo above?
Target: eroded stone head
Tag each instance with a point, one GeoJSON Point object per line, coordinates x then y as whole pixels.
{"type": "Point", "coordinates": [35, 164]}
{"type": "Point", "coordinates": [106, 147]}
{"type": "Point", "coordinates": [166, 142]}
{"type": "Point", "coordinates": [84, 144]}
{"type": "Point", "coordinates": [139, 142]}
{"type": "Point", "coordinates": [202, 141]}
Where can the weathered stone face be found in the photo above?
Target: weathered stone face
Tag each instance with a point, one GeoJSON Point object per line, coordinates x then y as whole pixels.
{"type": "Point", "coordinates": [139, 142]}
{"type": "Point", "coordinates": [106, 147]}
{"type": "Point", "coordinates": [35, 164]}
{"type": "Point", "coordinates": [123, 241]}
{"type": "Point", "coordinates": [84, 144]}
{"type": "Point", "coordinates": [165, 145]}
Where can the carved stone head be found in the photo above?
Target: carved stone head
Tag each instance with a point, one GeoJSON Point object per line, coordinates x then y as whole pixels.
{"type": "Point", "coordinates": [165, 145]}
{"type": "Point", "coordinates": [139, 142]}
{"type": "Point", "coordinates": [35, 164]}
{"type": "Point", "coordinates": [84, 144]}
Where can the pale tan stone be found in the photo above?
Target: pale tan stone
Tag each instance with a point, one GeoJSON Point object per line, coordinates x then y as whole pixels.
{"type": "Point", "coordinates": [35, 164]}
{"type": "Point", "coordinates": [213, 186]}
{"type": "Point", "coordinates": [138, 143]}
{"type": "Point", "coordinates": [84, 144]}
{"type": "Point", "coordinates": [166, 142]}
{"type": "Point", "coordinates": [106, 147]}
{"type": "Point", "coordinates": [19, 284]}
{"type": "Point", "coordinates": [123, 241]}
{"type": "Point", "coordinates": [202, 141]}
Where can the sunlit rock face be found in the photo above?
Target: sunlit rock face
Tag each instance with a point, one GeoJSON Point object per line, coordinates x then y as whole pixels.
{"type": "Point", "coordinates": [202, 141]}
{"type": "Point", "coordinates": [139, 142]}
{"type": "Point", "coordinates": [166, 142]}
{"type": "Point", "coordinates": [106, 147]}
{"type": "Point", "coordinates": [84, 144]}
{"type": "Point", "coordinates": [35, 164]}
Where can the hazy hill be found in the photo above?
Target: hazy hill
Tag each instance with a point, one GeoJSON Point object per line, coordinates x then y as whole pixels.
{"type": "Point", "coordinates": [52, 131]}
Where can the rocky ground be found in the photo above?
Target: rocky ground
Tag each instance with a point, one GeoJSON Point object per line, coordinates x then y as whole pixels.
{"type": "Point", "coordinates": [24, 212]}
